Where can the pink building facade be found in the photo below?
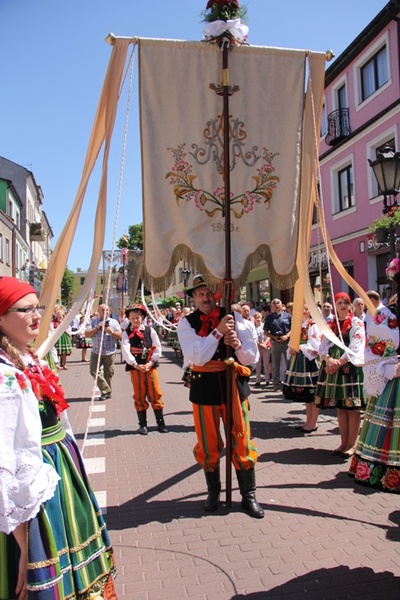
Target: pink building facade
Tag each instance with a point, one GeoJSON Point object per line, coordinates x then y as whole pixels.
{"type": "Point", "coordinates": [361, 115]}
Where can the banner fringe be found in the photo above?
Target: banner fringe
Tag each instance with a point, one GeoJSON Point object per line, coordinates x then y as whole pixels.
{"type": "Point", "coordinates": [182, 252]}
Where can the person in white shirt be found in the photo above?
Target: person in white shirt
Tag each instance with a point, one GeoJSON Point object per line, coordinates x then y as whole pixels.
{"type": "Point", "coordinates": [205, 336]}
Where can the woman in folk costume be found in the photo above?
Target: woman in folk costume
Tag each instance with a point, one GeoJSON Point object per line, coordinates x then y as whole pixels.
{"type": "Point", "coordinates": [376, 462]}
{"type": "Point", "coordinates": [49, 518]}
{"type": "Point", "coordinates": [141, 350]}
{"type": "Point", "coordinates": [340, 381]}
{"type": "Point", "coordinates": [64, 342]}
{"type": "Point", "coordinates": [302, 373]}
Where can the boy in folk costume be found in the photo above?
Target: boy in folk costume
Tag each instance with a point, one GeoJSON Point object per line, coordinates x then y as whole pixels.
{"type": "Point", "coordinates": [204, 336]}
{"type": "Point", "coordinates": [141, 350]}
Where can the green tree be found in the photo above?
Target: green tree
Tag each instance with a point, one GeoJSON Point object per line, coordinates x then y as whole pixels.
{"type": "Point", "coordinates": [67, 287]}
{"type": "Point", "coordinates": [133, 240]}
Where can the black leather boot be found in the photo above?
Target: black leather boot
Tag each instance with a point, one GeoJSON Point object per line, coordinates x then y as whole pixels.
{"type": "Point", "coordinates": [160, 421]}
{"type": "Point", "coordinates": [214, 488]}
{"type": "Point", "coordinates": [247, 486]}
{"type": "Point", "coordinates": [142, 422]}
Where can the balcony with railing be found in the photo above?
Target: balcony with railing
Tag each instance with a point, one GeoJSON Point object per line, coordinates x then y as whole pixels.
{"type": "Point", "coordinates": [338, 126]}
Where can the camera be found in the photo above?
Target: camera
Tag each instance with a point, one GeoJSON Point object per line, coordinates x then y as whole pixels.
{"type": "Point", "coordinates": [107, 323]}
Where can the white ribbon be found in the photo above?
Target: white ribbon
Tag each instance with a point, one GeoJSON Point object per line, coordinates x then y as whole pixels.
{"type": "Point", "coordinates": [235, 27]}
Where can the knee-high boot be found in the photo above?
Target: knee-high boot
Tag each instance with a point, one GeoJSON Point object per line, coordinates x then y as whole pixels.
{"type": "Point", "coordinates": [142, 422]}
{"type": "Point", "coordinates": [247, 486]}
{"type": "Point", "coordinates": [160, 421]}
{"type": "Point", "coordinates": [214, 488]}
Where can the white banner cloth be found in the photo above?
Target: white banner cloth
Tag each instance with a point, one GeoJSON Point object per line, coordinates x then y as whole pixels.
{"type": "Point", "coordinates": [182, 158]}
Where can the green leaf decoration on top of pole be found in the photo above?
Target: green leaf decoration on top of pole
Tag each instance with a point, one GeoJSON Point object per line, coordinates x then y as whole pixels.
{"type": "Point", "coordinates": [223, 20]}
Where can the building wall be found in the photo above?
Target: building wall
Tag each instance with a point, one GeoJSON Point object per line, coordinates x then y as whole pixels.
{"type": "Point", "coordinates": [373, 122]}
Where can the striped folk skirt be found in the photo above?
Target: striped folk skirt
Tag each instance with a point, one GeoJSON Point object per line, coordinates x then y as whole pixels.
{"type": "Point", "coordinates": [376, 462]}
{"type": "Point", "coordinates": [344, 389]}
{"type": "Point", "coordinates": [301, 379]}
{"type": "Point", "coordinates": [70, 555]}
{"type": "Point", "coordinates": [64, 344]}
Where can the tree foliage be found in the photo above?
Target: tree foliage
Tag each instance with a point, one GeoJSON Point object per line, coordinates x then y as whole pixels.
{"type": "Point", "coordinates": [133, 240]}
{"type": "Point", "coordinates": [67, 287]}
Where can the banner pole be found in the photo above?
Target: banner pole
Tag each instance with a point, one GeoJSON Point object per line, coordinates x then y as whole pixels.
{"type": "Point", "coordinates": [228, 266]}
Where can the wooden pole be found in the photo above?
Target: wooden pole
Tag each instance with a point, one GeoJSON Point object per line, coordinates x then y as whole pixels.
{"type": "Point", "coordinates": [228, 265]}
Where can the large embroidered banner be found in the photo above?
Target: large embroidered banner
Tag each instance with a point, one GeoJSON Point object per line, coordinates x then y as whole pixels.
{"type": "Point", "coordinates": [181, 118]}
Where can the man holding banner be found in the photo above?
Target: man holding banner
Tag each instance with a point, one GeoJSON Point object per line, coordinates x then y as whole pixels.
{"type": "Point", "coordinates": [204, 336]}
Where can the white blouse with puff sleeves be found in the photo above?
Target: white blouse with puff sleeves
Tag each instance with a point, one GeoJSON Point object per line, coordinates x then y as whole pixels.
{"type": "Point", "coordinates": [25, 480]}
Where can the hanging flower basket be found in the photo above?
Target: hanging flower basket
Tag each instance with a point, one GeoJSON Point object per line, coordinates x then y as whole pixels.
{"type": "Point", "coordinates": [381, 234]}
{"type": "Point", "coordinates": [36, 232]}
{"type": "Point", "coordinates": [392, 218]}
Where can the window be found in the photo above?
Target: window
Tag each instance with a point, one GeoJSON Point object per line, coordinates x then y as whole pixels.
{"type": "Point", "coordinates": [323, 131]}
{"type": "Point", "coordinates": [8, 252]}
{"type": "Point", "coordinates": [374, 74]}
{"type": "Point", "coordinates": [345, 188]}
{"type": "Point", "coordinates": [82, 279]}
{"type": "Point", "coordinates": [10, 210]}
{"type": "Point", "coordinates": [1, 248]}
{"type": "Point", "coordinates": [342, 97]}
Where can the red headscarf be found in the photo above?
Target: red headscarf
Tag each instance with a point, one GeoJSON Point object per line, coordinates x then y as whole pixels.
{"type": "Point", "coordinates": [342, 295]}
{"type": "Point", "coordinates": [12, 290]}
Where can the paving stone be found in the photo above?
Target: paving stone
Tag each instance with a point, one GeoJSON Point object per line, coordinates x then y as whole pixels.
{"type": "Point", "coordinates": [322, 537]}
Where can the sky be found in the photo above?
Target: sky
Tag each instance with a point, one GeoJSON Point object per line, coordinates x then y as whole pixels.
{"type": "Point", "coordinates": [53, 63]}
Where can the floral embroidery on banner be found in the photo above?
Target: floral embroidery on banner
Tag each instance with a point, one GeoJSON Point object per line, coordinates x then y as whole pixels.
{"type": "Point", "coordinates": [182, 177]}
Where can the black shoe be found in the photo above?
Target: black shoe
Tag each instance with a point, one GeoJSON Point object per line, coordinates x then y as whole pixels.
{"type": "Point", "coordinates": [142, 430]}
{"type": "Point", "coordinates": [257, 384]}
{"type": "Point", "coordinates": [309, 430]}
{"type": "Point", "coordinates": [106, 396]}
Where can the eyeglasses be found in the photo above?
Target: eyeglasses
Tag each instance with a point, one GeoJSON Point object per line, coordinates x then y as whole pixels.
{"type": "Point", "coordinates": [28, 310]}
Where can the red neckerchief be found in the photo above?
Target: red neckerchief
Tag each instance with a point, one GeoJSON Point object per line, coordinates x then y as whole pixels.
{"type": "Point", "coordinates": [345, 325]}
{"type": "Point", "coordinates": [47, 386]}
{"type": "Point", "coordinates": [212, 318]}
{"type": "Point", "coordinates": [134, 332]}
{"type": "Point", "coordinates": [304, 331]}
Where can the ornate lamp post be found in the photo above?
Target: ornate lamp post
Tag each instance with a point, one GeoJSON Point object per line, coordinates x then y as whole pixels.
{"type": "Point", "coordinates": [386, 169]}
{"type": "Point", "coordinates": [185, 276]}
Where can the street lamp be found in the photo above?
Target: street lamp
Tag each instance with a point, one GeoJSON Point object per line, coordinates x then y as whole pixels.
{"type": "Point", "coordinates": [386, 169]}
{"type": "Point", "coordinates": [185, 276]}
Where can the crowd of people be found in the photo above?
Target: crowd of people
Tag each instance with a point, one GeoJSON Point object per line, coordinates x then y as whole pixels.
{"type": "Point", "coordinates": [351, 365]}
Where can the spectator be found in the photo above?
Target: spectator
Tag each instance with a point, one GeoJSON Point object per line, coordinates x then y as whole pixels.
{"type": "Point", "coordinates": [264, 350]}
{"type": "Point", "coordinates": [104, 348]}
{"type": "Point", "coordinates": [327, 311]}
{"type": "Point", "coordinates": [82, 342]}
{"type": "Point", "coordinates": [387, 296]}
{"type": "Point", "coordinates": [359, 306]}
{"type": "Point", "coordinates": [277, 327]}
{"type": "Point", "coordinates": [64, 343]}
